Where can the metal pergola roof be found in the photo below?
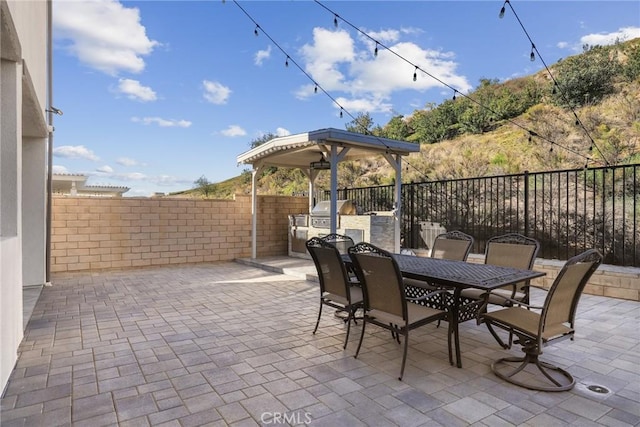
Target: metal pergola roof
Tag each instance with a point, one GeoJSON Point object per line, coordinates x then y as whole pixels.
{"type": "Point", "coordinates": [330, 145]}
{"type": "Point", "coordinates": [298, 151]}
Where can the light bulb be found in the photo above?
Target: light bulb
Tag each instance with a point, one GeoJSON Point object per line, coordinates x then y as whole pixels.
{"type": "Point", "coordinates": [532, 56]}
{"type": "Point", "coordinates": [501, 15]}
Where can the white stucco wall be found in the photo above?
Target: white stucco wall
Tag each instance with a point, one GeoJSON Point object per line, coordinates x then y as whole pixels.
{"type": "Point", "coordinates": [23, 96]}
{"type": "Point", "coordinates": [30, 19]}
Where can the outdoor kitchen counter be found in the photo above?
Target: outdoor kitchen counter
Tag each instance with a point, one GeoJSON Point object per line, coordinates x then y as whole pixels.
{"type": "Point", "coordinates": [377, 229]}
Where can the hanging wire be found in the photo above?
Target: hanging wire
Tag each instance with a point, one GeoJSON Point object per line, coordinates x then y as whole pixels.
{"type": "Point", "coordinates": [443, 83]}
{"type": "Point", "coordinates": [318, 86]}
{"type": "Point", "coordinates": [290, 60]}
{"type": "Point", "coordinates": [555, 82]}
{"type": "Point", "coordinates": [342, 110]}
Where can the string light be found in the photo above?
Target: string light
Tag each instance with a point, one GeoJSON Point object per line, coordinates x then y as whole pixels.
{"type": "Point", "coordinates": [255, 31]}
{"type": "Point", "coordinates": [532, 56]}
{"type": "Point", "coordinates": [378, 44]}
{"type": "Point", "coordinates": [501, 15]}
{"type": "Point", "coordinates": [335, 20]}
{"type": "Point", "coordinates": [375, 52]}
{"type": "Point", "coordinates": [454, 94]}
{"type": "Point", "coordinates": [556, 87]}
{"type": "Point", "coordinates": [286, 62]}
{"type": "Point", "coordinates": [515, 123]}
{"type": "Point", "coordinates": [315, 89]}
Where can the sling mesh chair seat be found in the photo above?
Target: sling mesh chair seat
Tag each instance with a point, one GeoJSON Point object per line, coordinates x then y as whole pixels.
{"type": "Point", "coordinates": [508, 250]}
{"type": "Point", "coordinates": [535, 330]}
{"type": "Point", "coordinates": [385, 303]}
{"type": "Point", "coordinates": [337, 289]}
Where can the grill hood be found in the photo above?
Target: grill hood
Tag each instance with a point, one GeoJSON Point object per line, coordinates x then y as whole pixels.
{"type": "Point", "coordinates": [343, 207]}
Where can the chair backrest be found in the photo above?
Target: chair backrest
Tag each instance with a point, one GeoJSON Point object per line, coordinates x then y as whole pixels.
{"type": "Point", "coordinates": [381, 279]}
{"type": "Point", "coordinates": [340, 241]}
{"type": "Point", "coordinates": [512, 250]}
{"type": "Point", "coordinates": [562, 299]}
{"type": "Point", "coordinates": [332, 273]}
{"type": "Point", "coordinates": [453, 245]}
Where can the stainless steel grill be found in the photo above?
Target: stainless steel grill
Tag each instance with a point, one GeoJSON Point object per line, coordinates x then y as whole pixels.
{"type": "Point", "coordinates": [320, 214]}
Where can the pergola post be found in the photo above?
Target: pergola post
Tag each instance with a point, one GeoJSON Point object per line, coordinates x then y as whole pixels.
{"type": "Point", "coordinates": [254, 212]}
{"type": "Point", "coordinates": [395, 160]}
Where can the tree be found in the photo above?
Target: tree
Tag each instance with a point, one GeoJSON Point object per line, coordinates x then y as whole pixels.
{"type": "Point", "coordinates": [587, 78]}
{"type": "Point", "coordinates": [203, 186]}
{"type": "Point", "coordinates": [363, 123]}
{"type": "Point", "coordinates": [631, 68]}
{"type": "Point", "coordinates": [262, 139]}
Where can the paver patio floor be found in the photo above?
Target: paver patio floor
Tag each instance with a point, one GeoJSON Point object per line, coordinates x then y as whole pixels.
{"type": "Point", "coordinates": [232, 344]}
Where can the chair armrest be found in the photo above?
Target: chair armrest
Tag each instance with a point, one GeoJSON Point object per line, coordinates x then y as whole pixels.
{"type": "Point", "coordinates": [483, 308]}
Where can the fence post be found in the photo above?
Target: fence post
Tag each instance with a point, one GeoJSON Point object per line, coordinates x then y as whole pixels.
{"type": "Point", "coordinates": [412, 243]}
{"type": "Point", "coordinates": [526, 203]}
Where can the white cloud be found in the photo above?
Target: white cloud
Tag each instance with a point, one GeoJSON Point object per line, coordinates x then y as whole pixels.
{"type": "Point", "coordinates": [261, 55]}
{"type": "Point", "coordinates": [234, 130]}
{"type": "Point", "coordinates": [364, 105]}
{"type": "Point", "coordinates": [383, 36]}
{"type": "Point", "coordinates": [105, 169]}
{"type": "Point", "coordinates": [623, 34]}
{"type": "Point", "coordinates": [602, 39]}
{"type": "Point", "coordinates": [282, 132]}
{"type": "Point", "coordinates": [339, 63]}
{"type": "Point", "coordinates": [75, 152]}
{"type": "Point", "coordinates": [104, 34]}
{"type": "Point", "coordinates": [126, 161]}
{"type": "Point", "coordinates": [134, 90]}
{"type": "Point", "coordinates": [323, 58]}
{"type": "Point", "coordinates": [57, 169]}
{"type": "Point", "coordinates": [215, 93]}
{"type": "Point", "coordinates": [165, 123]}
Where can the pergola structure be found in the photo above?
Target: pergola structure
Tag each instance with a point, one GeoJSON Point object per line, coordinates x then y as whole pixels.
{"type": "Point", "coordinates": [322, 150]}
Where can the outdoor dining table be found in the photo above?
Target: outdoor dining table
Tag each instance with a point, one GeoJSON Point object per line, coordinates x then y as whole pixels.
{"type": "Point", "coordinates": [458, 275]}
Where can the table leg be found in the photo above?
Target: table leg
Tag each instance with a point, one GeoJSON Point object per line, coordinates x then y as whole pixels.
{"type": "Point", "coordinates": [454, 323]}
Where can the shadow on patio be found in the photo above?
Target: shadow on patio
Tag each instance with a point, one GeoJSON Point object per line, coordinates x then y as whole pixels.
{"type": "Point", "coordinates": [231, 344]}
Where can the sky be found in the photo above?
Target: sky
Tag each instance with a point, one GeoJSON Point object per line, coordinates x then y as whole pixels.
{"type": "Point", "coordinates": [157, 94]}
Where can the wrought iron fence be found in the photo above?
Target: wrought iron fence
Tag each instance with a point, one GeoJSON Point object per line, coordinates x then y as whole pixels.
{"type": "Point", "coordinates": [568, 211]}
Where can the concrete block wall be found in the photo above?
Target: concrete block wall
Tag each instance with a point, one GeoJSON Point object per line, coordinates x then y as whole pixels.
{"type": "Point", "coordinates": [119, 233]}
{"type": "Point", "coordinates": [608, 280]}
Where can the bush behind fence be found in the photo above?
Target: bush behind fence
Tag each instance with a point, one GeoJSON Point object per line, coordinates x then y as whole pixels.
{"type": "Point", "coordinates": [568, 211]}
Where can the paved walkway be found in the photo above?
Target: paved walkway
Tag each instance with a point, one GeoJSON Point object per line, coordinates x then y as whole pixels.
{"type": "Point", "coordinates": [231, 344]}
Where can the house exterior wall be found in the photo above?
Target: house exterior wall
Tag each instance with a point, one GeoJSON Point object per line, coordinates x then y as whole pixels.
{"type": "Point", "coordinates": [23, 136]}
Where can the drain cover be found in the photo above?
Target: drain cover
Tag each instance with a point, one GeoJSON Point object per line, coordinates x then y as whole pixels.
{"type": "Point", "coordinates": [598, 389]}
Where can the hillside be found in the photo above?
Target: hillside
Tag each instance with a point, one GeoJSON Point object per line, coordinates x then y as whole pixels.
{"type": "Point", "coordinates": [587, 114]}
